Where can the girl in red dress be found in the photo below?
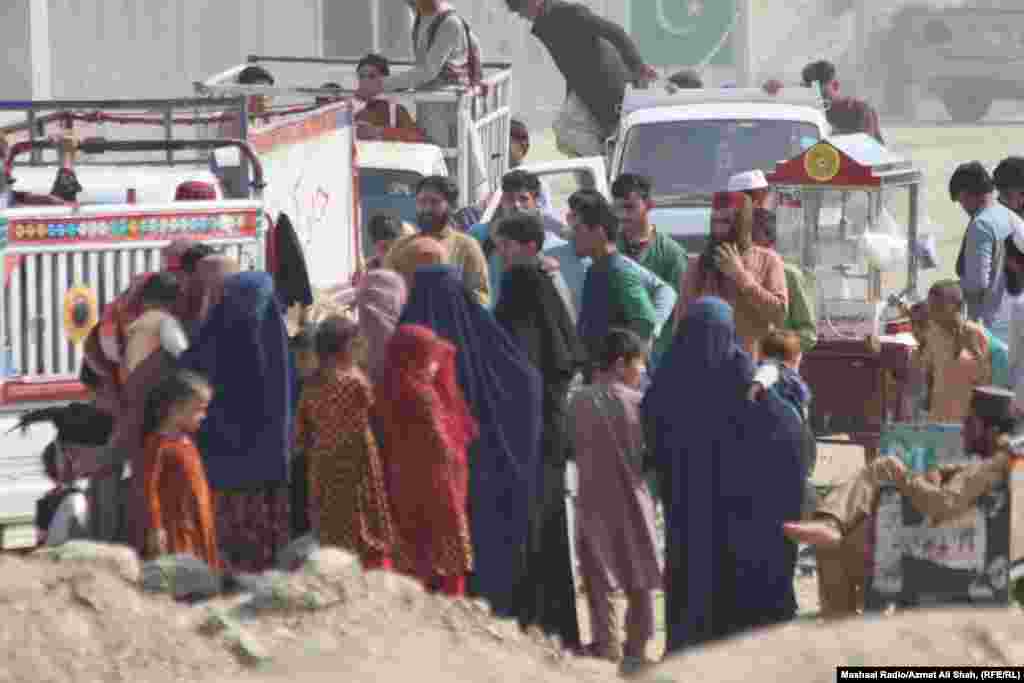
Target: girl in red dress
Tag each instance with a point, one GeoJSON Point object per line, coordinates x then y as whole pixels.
{"type": "Point", "coordinates": [178, 498]}
{"type": "Point", "coordinates": [426, 428]}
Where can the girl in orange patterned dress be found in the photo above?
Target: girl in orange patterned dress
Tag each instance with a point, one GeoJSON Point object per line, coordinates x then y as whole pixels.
{"type": "Point", "coordinates": [426, 429]}
{"type": "Point", "coordinates": [349, 509]}
{"type": "Point", "coordinates": [178, 498]}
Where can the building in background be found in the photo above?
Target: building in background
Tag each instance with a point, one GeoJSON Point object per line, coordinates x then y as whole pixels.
{"type": "Point", "coordinates": [71, 49]}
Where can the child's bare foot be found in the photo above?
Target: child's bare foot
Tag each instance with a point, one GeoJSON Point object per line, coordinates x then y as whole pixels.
{"type": "Point", "coordinates": [819, 533]}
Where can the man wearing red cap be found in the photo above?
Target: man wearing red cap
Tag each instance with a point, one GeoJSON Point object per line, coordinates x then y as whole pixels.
{"type": "Point", "coordinates": [195, 191]}
{"type": "Point", "coordinates": [750, 278]}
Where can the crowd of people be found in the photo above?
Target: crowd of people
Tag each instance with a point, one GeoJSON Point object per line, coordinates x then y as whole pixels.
{"type": "Point", "coordinates": [430, 433]}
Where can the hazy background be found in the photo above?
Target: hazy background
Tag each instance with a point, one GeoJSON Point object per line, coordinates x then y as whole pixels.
{"type": "Point", "coordinates": [157, 48]}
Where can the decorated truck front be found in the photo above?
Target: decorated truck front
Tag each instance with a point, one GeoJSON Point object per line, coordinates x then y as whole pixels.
{"type": "Point", "coordinates": [64, 261]}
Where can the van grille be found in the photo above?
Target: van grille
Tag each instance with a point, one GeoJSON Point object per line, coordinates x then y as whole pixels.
{"type": "Point", "coordinates": [34, 336]}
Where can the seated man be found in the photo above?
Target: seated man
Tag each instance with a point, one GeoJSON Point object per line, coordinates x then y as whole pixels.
{"type": "Point", "coordinates": [381, 119]}
{"type": "Point", "coordinates": [839, 531]}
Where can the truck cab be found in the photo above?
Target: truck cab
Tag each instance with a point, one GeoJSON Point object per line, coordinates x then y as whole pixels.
{"type": "Point", "coordinates": [689, 143]}
{"type": "Point", "coordinates": [130, 157]}
{"type": "Point", "coordinates": [388, 175]}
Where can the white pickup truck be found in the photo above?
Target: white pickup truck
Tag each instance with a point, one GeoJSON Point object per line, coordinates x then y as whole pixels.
{"type": "Point", "coordinates": [690, 142]}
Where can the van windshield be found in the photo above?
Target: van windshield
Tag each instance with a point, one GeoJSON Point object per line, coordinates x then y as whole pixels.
{"type": "Point", "coordinates": [688, 158]}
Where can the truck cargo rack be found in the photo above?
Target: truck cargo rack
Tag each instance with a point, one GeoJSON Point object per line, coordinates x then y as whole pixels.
{"type": "Point", "coordinates": [39, 115]}
{"type": "Point", "coordinates": [487, 107]}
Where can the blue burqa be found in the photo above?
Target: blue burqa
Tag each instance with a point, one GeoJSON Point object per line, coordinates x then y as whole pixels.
{"type": "Point", "coordinates": [242, 349]}
{"type": "Point", "coordinates": [730, 474]}
{"type": "Point", "coordinates": [504, 392]}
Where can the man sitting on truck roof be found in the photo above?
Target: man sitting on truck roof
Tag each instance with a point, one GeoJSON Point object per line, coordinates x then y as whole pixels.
{"type": "Point", "coordinates": [381, 119]}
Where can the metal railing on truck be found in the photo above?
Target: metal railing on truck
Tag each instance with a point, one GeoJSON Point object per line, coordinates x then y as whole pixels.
{"type": "Point", "coordinates": [88, 117]}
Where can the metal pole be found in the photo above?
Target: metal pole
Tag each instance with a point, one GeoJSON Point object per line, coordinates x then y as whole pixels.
{"type": "Point", "coordinates": [913, 217]}
{"type": "Point", "coordinates": [32, 129]}
{"type": "Point", "coordinates": [39, 38]}
{"type": "Point", "coordinates": [375, 24]}
{"type": "Point", "coordinates": [743, 44]}
{"type": "Point", "coordinates": [169, 133]}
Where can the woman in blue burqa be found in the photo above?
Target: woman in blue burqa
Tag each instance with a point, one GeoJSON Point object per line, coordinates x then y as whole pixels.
{"type": "Point", "coordinates": [504, 392]}
{"type": "Point", "coordinates": [242, 348]}
{"type": "Point", "coordinates": [730, 474]}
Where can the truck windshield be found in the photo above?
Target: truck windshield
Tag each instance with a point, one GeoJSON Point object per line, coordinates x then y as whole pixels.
{"type": "Point", "coordinates": [698, 156]}
{"type": "Point", "coordinates": [385, 190]}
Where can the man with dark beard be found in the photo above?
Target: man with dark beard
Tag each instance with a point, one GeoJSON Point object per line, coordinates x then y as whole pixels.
{"type": "Point", "coordinates": [435, 200]}
{"type": "Point", "coordinates": [749, 278]}
{"type": "Point", "coordinates": [534, 312]}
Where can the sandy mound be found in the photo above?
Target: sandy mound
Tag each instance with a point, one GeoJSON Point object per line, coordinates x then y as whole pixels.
{"type": "Point", "coordinates": [79, 621]}
{"type": "Point", "coordinates": [809, 651]}
{"type": "Point", "coordinates": [75, 617]}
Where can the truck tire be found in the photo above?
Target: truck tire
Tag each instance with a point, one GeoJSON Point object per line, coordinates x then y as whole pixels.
{"type": "Point", "coordinates": [965, 104]}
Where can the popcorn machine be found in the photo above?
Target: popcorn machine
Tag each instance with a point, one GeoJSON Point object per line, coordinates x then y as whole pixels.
{"type": "Point", "coordinates": [860, 264]}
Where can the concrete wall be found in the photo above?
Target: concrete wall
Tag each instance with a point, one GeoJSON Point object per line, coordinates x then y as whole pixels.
{"type": "Point", "coordinates": [16, 77]}
{"type": "Point", "coordinates": [156, 48]}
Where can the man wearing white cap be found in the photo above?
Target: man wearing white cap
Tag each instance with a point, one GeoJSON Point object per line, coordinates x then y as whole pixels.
{"type": "Point", "coordinates": [800, 315]}
{"type": "Point", "coordinates": [755, 185]}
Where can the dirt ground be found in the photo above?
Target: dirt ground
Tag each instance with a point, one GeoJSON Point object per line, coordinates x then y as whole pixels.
{"type": "Point", "coordinates": [85, 621]}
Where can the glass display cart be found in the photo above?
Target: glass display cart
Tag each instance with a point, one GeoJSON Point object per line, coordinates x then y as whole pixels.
{"type": "Point", "coordinates": [861, 266]}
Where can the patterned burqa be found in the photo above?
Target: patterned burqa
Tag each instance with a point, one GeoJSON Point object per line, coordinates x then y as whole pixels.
{"type": "Point", "coordinates": [427, 430]}
{"type": "Point", "coordinates": [504, 394]}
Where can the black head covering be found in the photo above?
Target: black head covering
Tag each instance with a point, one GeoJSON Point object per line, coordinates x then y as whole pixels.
{"type": "Point", "coordinates": [992, 403]}
{"type": "Point", "coordinates": [291, 276]}
{"type": "Point", "coordinates": [532, 311]}
{"type": "Point", "coordinates": [66, 185]}
{"type": "Point", "coordinates": [1009, 174]}
{"type": "Point", "coordinates": [78, 423]}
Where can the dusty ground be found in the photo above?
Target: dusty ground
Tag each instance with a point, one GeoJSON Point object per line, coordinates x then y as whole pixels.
{"type": "Point", "coordinates": [85, 621]}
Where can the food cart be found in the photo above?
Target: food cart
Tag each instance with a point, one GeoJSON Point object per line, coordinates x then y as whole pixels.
{"type": "Point", "coordinates": [860, 264]}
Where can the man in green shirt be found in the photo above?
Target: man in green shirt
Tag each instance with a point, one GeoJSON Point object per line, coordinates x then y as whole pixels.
{"type": "Point", "coordinates": [614, 294]}
{"type": "Point", "coordinates": [801, 317]}
{"type": "Point", "coordinates": [640, 241]}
